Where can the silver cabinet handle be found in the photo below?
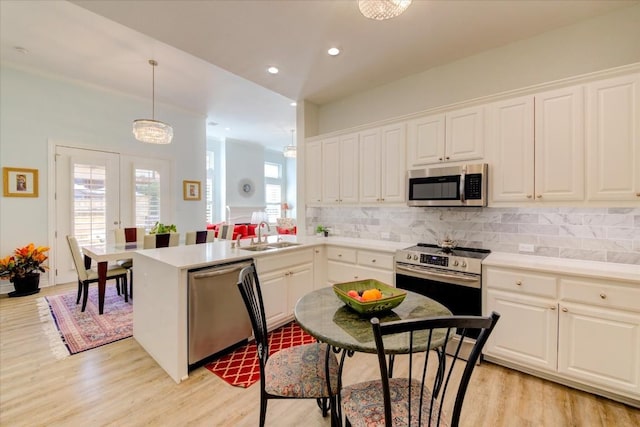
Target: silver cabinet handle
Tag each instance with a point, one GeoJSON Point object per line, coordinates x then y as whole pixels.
{"type": "Point", "coordinates": [519, 283]}
{"type": "Point", "coordinates": [553, 307]}
{"type": "Point", "coordinates": [539, 196]}
{"type": "Point", "coordinates": [529, 196]}
{"type": "Point", "coordinates": [565, 309]}
{"type": "Point", "coordinates": [603, 295]}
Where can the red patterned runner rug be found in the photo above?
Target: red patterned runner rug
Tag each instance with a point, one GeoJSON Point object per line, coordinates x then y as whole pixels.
{"type": "Point", "coordinates": [240, 368]}
{"type": "Point", "coordinates": [81, 331]}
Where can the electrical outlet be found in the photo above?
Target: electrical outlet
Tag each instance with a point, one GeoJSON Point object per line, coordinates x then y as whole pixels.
{"type": "Point", "coordinates": [523, 247]}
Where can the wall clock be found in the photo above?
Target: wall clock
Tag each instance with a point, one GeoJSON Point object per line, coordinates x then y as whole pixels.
{"type": "Point", "coordinates": [246, 187]}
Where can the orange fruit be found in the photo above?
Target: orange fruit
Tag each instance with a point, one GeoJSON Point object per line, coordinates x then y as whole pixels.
{"type": "Point", "coordinates": [371, 295]}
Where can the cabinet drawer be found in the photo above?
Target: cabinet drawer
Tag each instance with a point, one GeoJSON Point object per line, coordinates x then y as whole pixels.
{"type": "Point", "coordinates": [277, 262]}
{"type": "Point", "coordinates": [601, 294]}
{"type": "Point", "coordinates": [341, 254]}
{"type": "Point", "coordinates": [521, 281]}
{"type": "Point", "coordinates": [375, 259]}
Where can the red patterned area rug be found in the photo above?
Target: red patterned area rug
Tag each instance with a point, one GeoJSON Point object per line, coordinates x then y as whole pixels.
{"type": "Point", "coordinates": [80, 331]}
{"type": "Point", "coordinates": [240, 368]}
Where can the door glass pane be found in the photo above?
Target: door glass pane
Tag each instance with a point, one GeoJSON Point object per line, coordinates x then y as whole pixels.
{"type": "Point", "coordinates": [147, 198]}
{"type": "Point", "coordinates": [89, 207]}
{"type": "Point", "coordinates": [273, 199]}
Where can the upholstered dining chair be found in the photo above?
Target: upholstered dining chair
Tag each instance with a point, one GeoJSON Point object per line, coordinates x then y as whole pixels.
{"type": "Point", "coordinates": [87, 275]}
{"type": "Point", "coordinates": [197, 237]}
{"type": "Point", "coordinates": [299, 372]}
{"type": "Point", "coordinates": [122, 237]}
{"type": "Point", "coordinates": [417, 399]}
{"type": "Point", "coordinates": [163, 240]}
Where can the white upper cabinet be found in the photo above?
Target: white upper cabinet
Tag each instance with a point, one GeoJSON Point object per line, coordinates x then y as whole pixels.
{"type": "Point", "coordinates": [340, 169]}
{"type": "Point", "coordinates": [453, 136]}
{"type": "Point", "coordinates": [313, 172]}
{"type": "Point", "coordinates": [559, 144]}
{"type": "Point", "coordinates": [382, 164]}
{"type": "Point", "coordinates": [510, 152]}
{"type": "Point", "coordinates": [613, 139]}
{"type": "Point", "coordinates": [537, 147]}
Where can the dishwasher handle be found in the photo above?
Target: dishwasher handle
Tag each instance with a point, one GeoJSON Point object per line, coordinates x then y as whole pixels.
{"type": "Point", "coordinates": [220, 271]}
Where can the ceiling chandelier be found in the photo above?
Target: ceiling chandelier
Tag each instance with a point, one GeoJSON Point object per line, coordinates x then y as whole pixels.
{"type": "Point", "coordinates": [150, 130]}
{"type": "Point", "coordinates": [382, 9]}
{"type": "Point", "coordinates": [290, 150]}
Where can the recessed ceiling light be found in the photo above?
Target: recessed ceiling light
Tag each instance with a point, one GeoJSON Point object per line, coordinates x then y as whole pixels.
{"type": "Point", "coordinates": [293, 104]}
{"type": "Point", "coordinates": [273, 70]}
{"type": "Point", "coordinates": [334, 51]}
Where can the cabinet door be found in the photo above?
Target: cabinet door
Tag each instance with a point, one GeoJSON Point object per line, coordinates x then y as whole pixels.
{"type": "Point", "coordinates": [331, 171]}
{"type": "Point", "coordinates": [274, 295]}
{"type": "Point", "coordinates": [511, 150]}
{"type": "Point", "coordinates": [313, 172]}
{"type": "Point", "coordinates": [559, 144]}
{"type": "Point", "coordinates": [464, 136]}
{"type": "Point", "coordinates": [349, 168]}
{"type": "Point", "coordinates": [320, 279]}
{"type": "Point", "coordinates": [300, 280]}
{"type": "Point", "coordinates": [393, 179]}
{"type": "Point", "coordinates": [613, 139]}
{"type": "Point", "coordinates": [527, 330]}
{"type": "Point", "coordinates": [425, 141]}
{"type": "Point", "coordinates": [600, 346]}
{"type": "Point", "coordinates": [370, 170]}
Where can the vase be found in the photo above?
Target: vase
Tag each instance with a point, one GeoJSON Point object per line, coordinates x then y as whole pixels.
{"type": "Point", "coordinates": [27, 285]}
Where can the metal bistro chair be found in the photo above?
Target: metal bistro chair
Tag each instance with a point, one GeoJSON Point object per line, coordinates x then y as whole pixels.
{"type": "Point", "coordinates": [122, 237]}
{"type": "Point", "coordinates": [87, 275]}
{"type": "Point", "coordinates": [417, 400]}
{"type": "Point", "coordinates": [294, 373]}
{"type": "Point", "coordinates": [198, 237]}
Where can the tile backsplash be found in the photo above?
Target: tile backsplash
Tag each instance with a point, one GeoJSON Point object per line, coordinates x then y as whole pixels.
{"type": "Point", "coordinates": [595, 234]}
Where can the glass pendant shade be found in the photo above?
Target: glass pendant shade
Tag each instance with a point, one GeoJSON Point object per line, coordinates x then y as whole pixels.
{"type": "Point", "coordinates": [290, 151]}
{"type": "Point", "coordinates": [382, 9]}
{"type": "Point", "coordinates": [150, 130]}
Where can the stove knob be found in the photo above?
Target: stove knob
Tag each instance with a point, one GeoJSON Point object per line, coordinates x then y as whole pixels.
{"type": "Point", "coordinates": [409, 256]}
{"type": "Point", "coordinates": [463, 265]}
{"type": "Point", "coordinates": [415, 257]}
{"type": "Point", "coordinates": [455, 263]}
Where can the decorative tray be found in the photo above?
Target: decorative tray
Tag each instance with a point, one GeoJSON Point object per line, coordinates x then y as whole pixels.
{"type": "Point", "coordinates": [391, 297]}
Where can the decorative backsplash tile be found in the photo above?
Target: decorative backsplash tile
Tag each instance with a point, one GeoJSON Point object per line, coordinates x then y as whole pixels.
{"type": "Point", "coordinates": [596, 234]}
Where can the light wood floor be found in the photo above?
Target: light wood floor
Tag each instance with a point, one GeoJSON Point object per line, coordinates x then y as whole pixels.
{"type": "Point", "coordinates": [120, 384]}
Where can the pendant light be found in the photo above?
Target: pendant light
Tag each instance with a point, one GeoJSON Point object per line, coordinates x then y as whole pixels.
{"type": "Point", "coordinates": [382, 9]}
{"type": "Point", "coordinates": [150, 130]}
{"type": "Point", "coordinates": [290, 150]}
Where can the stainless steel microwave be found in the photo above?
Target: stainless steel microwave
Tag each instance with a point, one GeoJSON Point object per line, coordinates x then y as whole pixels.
{"type": "Point", "coordinates": [463, 185]}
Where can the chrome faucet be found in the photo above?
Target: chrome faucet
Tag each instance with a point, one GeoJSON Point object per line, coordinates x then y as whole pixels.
{"type": "Point", "coordinates": [260, 231]}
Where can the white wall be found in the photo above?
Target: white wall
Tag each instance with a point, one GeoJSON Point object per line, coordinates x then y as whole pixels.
{"type": "Point", "coordinates": [36, 108]}
{"type": "Point", "coordinates": [604, 42]}
{"type": "Point", "coordinates": [244, 161]}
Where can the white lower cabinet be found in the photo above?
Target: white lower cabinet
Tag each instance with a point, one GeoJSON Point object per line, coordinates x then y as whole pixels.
{"type": "Point", "coordinates": [584, 332]}
{"type": "Point", "coordinates": [284, 278]}
{"type": "Point", "coordinates": [348, 264]}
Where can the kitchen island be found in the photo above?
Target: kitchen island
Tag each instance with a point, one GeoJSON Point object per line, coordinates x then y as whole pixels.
{"type": "Point", "coordinates": [160, 315]}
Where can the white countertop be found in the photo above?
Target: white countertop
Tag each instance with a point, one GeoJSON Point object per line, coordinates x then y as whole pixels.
{"type": "Point", "coordinates": [595, 269]}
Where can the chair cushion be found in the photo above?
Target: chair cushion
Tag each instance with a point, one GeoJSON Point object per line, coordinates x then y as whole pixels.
{"type": "Point", "coordinates": [112, 271]}
{"type": "Point", "coordinates": [125, 263]}
{"type": "Point", "coordinates": [300, 372]}
{"type": "Point", "coordinates": [363, 404]}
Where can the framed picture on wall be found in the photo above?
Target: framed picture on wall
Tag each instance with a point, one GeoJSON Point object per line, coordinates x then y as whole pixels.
{"type": "Point", "coordinates": [19, 182]}
{"type": "Point", "coordinates": [191, 190]}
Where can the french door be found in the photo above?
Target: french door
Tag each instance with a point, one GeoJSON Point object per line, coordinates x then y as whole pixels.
{"type": "Point", "coordinates": [87, 202]}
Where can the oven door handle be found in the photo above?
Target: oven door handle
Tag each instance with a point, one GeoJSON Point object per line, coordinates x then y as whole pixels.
{"type": "Point", "coordinates": [473, 282]}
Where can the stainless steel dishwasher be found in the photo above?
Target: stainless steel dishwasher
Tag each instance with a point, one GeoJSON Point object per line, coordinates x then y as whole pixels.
{"type": "Point", "coordinates": [218, 317]}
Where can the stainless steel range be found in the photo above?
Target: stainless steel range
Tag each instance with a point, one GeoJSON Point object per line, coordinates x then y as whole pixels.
{"type": "Point", "coordinates": [448, 274]}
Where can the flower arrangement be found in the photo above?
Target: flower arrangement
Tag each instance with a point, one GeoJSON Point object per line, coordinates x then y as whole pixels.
{"type": "Point", "coordinates": [160, 228]}
{"type": "Point", "coordinates": [23, 262]}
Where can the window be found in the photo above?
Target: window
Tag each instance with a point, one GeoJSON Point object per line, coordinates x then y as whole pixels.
{"type": "Point", "coordinates": [147, 198]}
{"type": "Point", "coordinates": [273, 190]}
{"type": "Point", "coordinates": [89, 207]}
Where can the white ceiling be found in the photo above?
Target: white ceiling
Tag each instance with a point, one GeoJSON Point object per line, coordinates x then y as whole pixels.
{"type": "Point", "coordinates": [213, 54]}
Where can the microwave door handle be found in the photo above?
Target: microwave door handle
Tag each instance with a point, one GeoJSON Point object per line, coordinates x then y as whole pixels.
{"type": "Point", "coordinates": [462, 200]}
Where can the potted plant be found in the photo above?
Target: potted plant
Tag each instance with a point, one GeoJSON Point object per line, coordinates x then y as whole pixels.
{"type": "Point", "coordinates": [160, 228]}
{"type": "Point", "coordinates": [322, 230]}
{"type": "Point", "coordinates": [23, 269]}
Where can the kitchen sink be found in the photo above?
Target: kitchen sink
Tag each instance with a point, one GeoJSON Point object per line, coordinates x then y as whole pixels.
{"type": "Point", "coordinates": [269, 246]}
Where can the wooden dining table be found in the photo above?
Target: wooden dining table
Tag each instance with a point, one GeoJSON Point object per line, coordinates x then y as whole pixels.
{"type": "Point", "coordinates": [102, 254]}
